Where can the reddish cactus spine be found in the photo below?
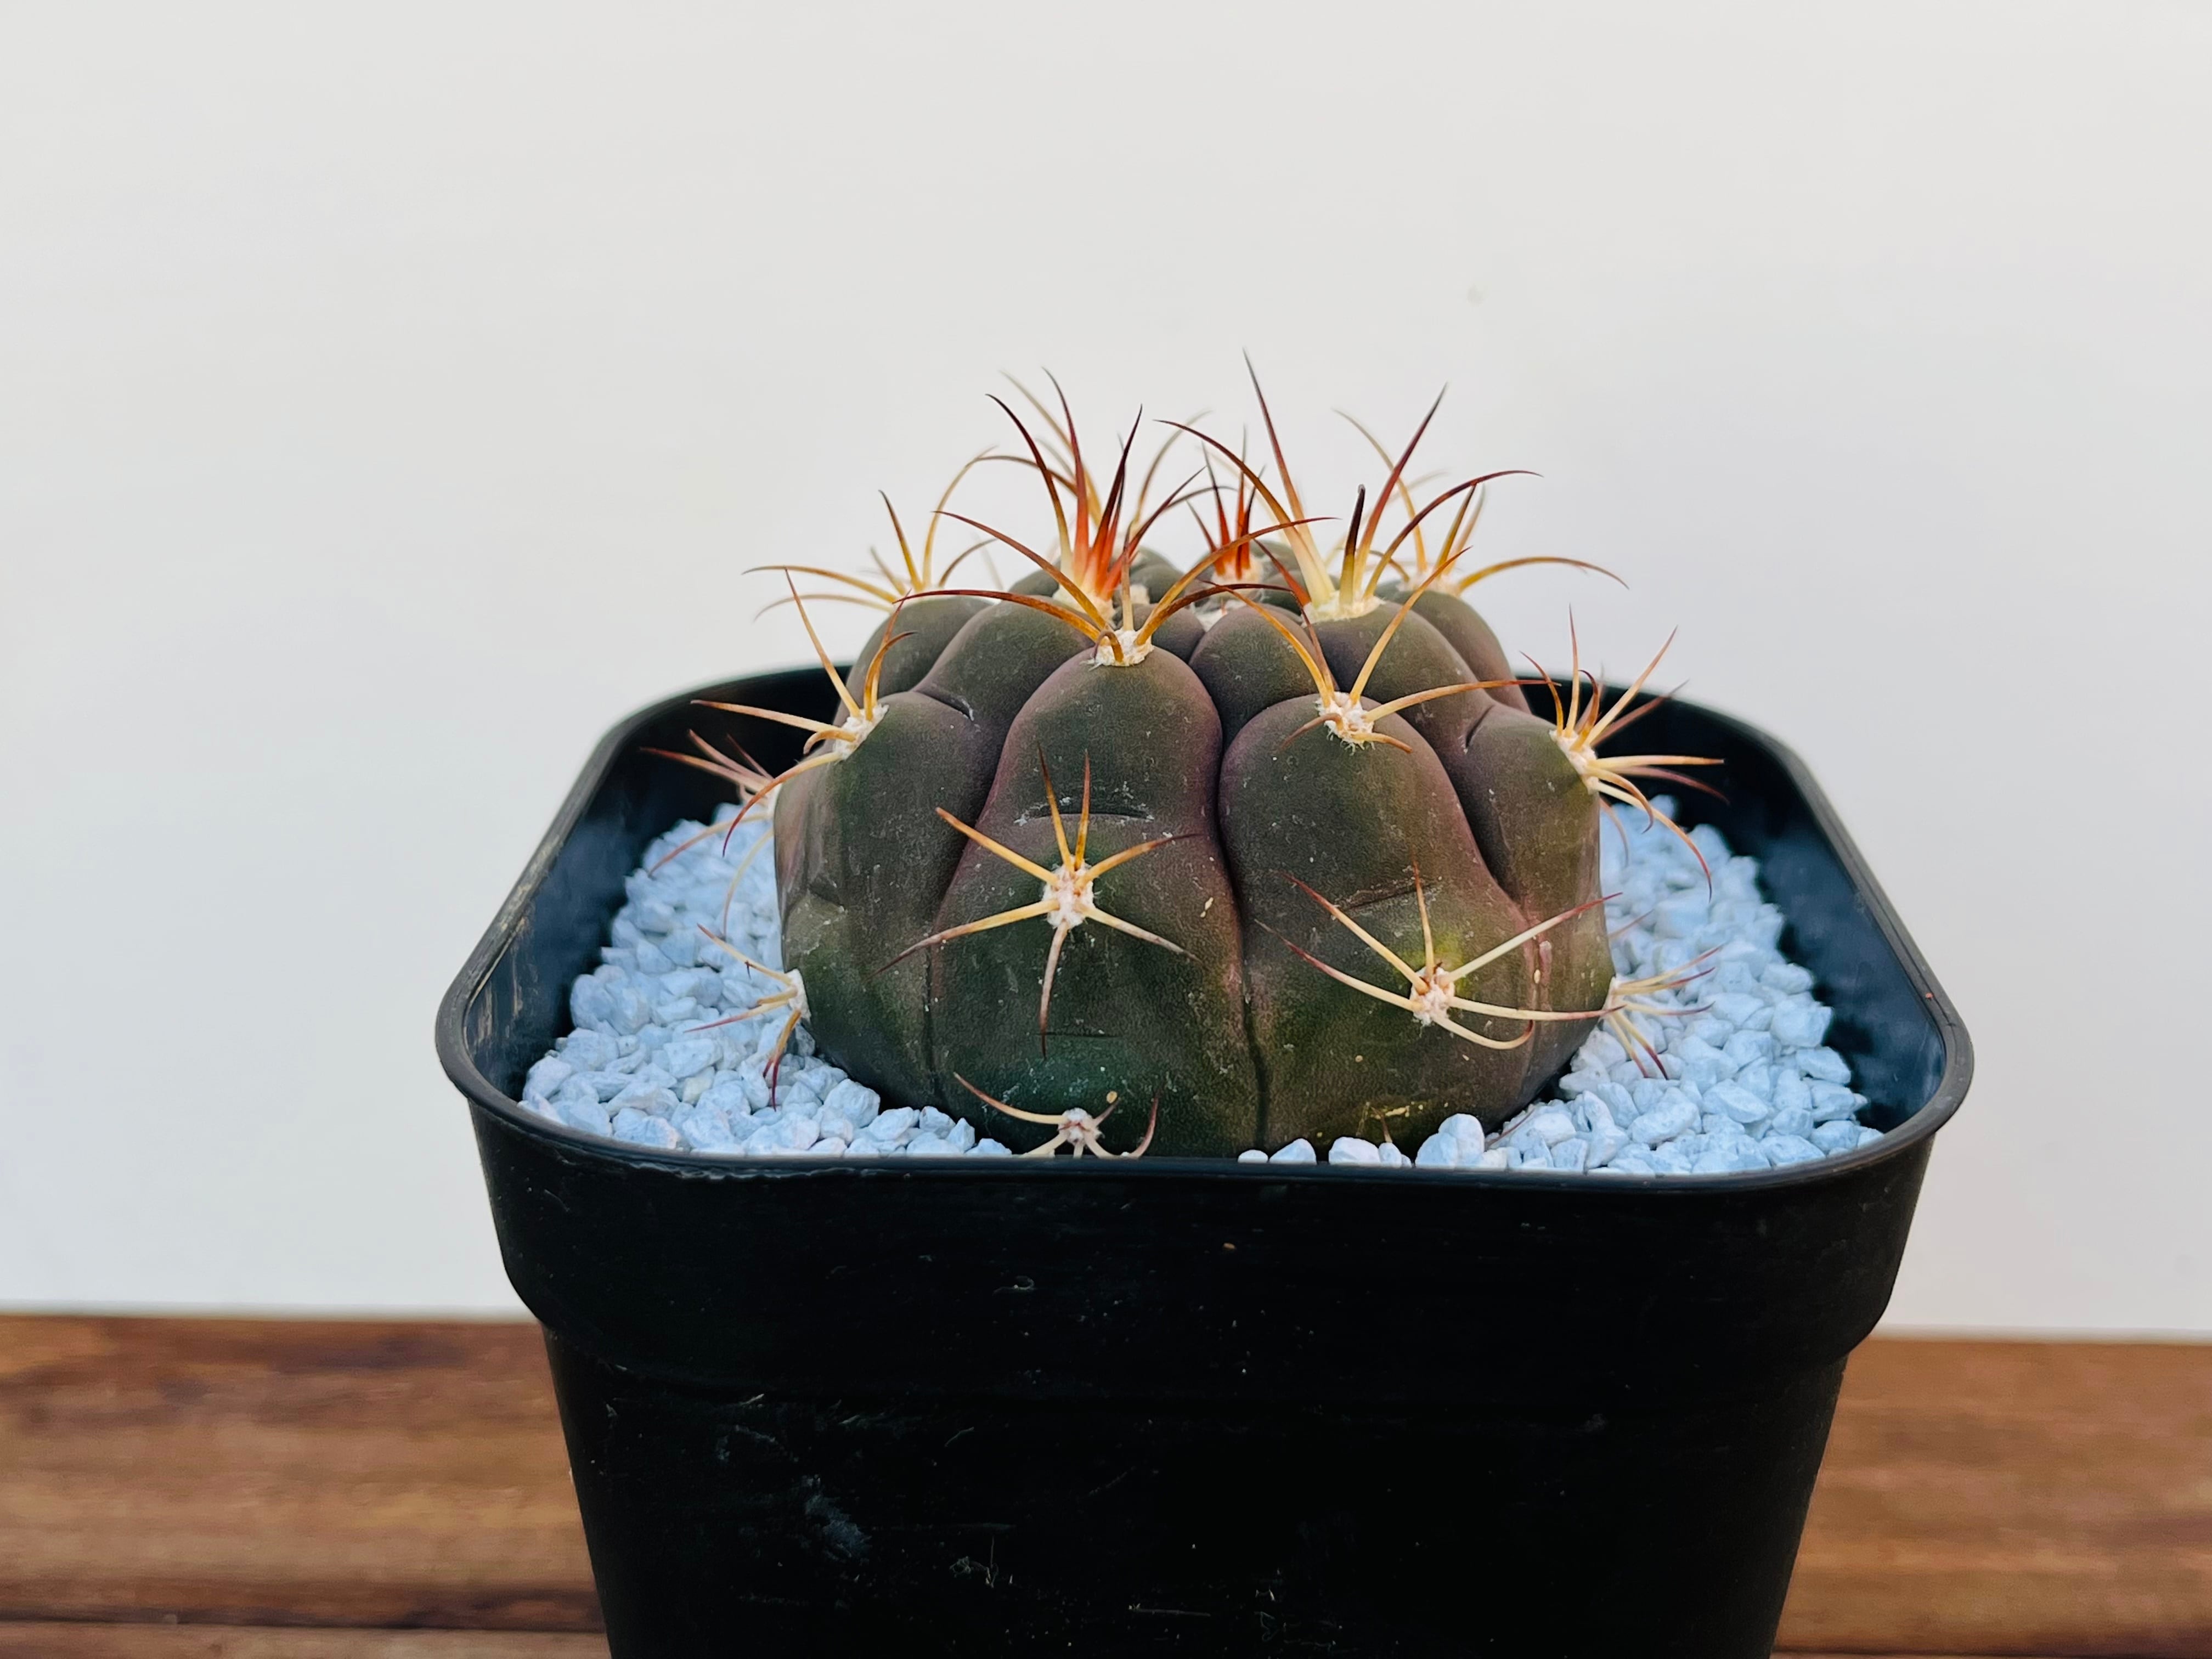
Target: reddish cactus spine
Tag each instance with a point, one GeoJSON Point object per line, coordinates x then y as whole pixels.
{"type": "Point", "coordinates": [1275, 843]}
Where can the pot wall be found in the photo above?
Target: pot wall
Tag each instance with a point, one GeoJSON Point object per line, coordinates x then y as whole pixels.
{"type": "Point", "coordinates": [990, 1407]}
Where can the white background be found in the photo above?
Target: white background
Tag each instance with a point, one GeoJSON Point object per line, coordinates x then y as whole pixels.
{"type": "Point", "coordinates": [391, 397]}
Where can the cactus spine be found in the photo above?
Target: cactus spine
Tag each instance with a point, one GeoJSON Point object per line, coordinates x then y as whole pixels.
{"type": "Point", "coordinates": [1275, 843]}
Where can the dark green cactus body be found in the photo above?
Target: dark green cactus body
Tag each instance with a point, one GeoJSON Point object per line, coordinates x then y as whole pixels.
{"type": "Point", "coordinates": [1248, 669]}
{"type": "Point", "coordinates": [927, 626]}
{"type": "Point", "coordinates": [1535, 822]}
{"type": "Point", "coordinates": [1354, 823]}
{"type": "Point", "coordinates": [1127, 1016]}
{"type": "Point", "coordinates": [863, 857]}
{"type": "Point", "coordinates": [1478, 648]}
{"type": "Point", "coordinates": [1245, 1039]}
{"type": "Point", "coordinates": [1537, 827]}
{"type": "Point", "coordinates": [858, 845]}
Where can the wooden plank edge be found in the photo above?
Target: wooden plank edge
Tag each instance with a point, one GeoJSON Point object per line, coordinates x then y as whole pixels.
{"type": "Point", "coordinates": [535, 1609]}
{"type": "Point", "coordinates": [52, 1639]}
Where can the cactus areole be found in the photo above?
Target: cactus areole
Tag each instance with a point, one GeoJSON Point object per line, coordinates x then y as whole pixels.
{"type": "Point", "coordinates": [1268, 846]}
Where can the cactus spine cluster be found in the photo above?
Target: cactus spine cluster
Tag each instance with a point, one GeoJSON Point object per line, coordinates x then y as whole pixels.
{"type": "Point", "coordinates": [1274, 843]}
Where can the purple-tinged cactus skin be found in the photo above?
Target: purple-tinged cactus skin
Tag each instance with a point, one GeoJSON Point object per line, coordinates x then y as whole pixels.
{"type": "Point", "coordinates": [1275, 843]}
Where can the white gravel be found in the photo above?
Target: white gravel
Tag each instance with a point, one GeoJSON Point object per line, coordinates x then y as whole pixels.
{"type": "Point", "coordinates": [650, 1062]}
{"type": "Point", "coordinates": [1749, 1085]}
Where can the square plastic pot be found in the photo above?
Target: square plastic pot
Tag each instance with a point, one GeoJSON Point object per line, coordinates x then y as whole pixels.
{"type": "Point", "coordinates": [999, 1408]}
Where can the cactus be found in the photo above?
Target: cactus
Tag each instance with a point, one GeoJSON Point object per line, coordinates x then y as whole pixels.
{"type": "Point", "coordinates": [1275, 842]}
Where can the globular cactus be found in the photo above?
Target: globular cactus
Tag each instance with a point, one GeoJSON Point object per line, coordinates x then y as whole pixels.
{"type": "Point", "coordinates": [1275, 843]}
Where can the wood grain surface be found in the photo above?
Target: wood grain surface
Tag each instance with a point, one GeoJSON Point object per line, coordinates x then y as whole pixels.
{"type": "Point", "coordinates": [52, 1641]}
{"type": "Point", "coordinates": [248, 1472]}
{"type": "Point", "coordinates": [45, 1641]}
{"type": "Point", "coordinates": [2015, 1497]}
{"type": "Point", "coordinates": [397, 1490]}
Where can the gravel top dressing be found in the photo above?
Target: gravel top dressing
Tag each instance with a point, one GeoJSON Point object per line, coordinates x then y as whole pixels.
{"type": "Point", "coordinates": [668, 1052]}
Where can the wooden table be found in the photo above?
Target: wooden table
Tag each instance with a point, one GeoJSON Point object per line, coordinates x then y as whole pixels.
{"type": "Point", "coordinates": [183, 1489]}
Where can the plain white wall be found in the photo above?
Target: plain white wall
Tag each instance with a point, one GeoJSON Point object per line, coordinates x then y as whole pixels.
{"type": "Point", "coordinates": [373, 377]}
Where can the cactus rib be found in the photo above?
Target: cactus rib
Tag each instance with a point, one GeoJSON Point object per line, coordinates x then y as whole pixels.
{"type": "Point", "coordinates": [1069, 899]}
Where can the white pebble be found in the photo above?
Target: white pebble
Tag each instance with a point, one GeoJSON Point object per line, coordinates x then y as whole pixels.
{"type": "Point", "coordinates": [1758, 1079]}
{"type": "Point", "coordinates": [856, 1102]}
{"type": "Point", "coordinates": [1823, 1065]}
{"type": "Point", "coordinates": [1439, 1151]}
{"type": "Point", "coordinates": [1700, 1062]}
{"type": "Point", "coordinates": [1800, 1023]}
{"type": "Point", "coordinates": [1790, 1091]}
{"type": "Point", "coordinates": [1677, 1117]}
{"type": "Point", "coordinates": [578, 1089]}
{"type": "Point", "coordinates": [1732, 1159]}
{"type": "Point", "coordinates": [1786, 1149]}
{"type": "Point", "coordinates": [643, 1130]}
{"type": "Point", "coordinates": [1604, 1052]}
{"type": "Point", "coordinates": [689, 1056]}
{"type": "Point", "coordinates": [894, 1124]}
{"type": "Point", "coordinates": [631, 1009]}
{"type": "Point", "coordinates": [649, 1098]}
{"type": "Point", "coordinates": [546, 1076]}
{"type": "Point", "coordinates": [1748, 1048]}
{"type": "Point", "coordinates": [1739, 1103]}
{"type": "Point", "coordinates": [1709, 1028]}
{"type": "Point", "coordinates": [1831, 1101]}
{"type": "Point", "coordinates": [1550, 1124]}
{"type": "Point", "coordinates": [1607, 1138]}
{"type": "Point", "coordinates": [725, 1094]}
{"type": "Point", "coordinates": [1735, 1007]}
{"type": "Point", "coordinates": [591, 1003]}
{"type": "Point", "coordinates": [1840, 1136]}
{"type": "Point", "coordinates": [1790, 1120]}
{"type": "Point", "coordinates": [586, 1050]}
{"type": "Point", "coordinates": [592, 1120]}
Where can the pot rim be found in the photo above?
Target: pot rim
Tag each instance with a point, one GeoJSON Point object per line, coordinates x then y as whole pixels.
{"type": "Point", "coordinates": [462, 1071]}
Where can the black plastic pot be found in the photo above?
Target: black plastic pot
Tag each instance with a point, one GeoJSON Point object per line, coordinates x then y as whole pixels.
{"type": "Point", "coordinates": [956, 1407]}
